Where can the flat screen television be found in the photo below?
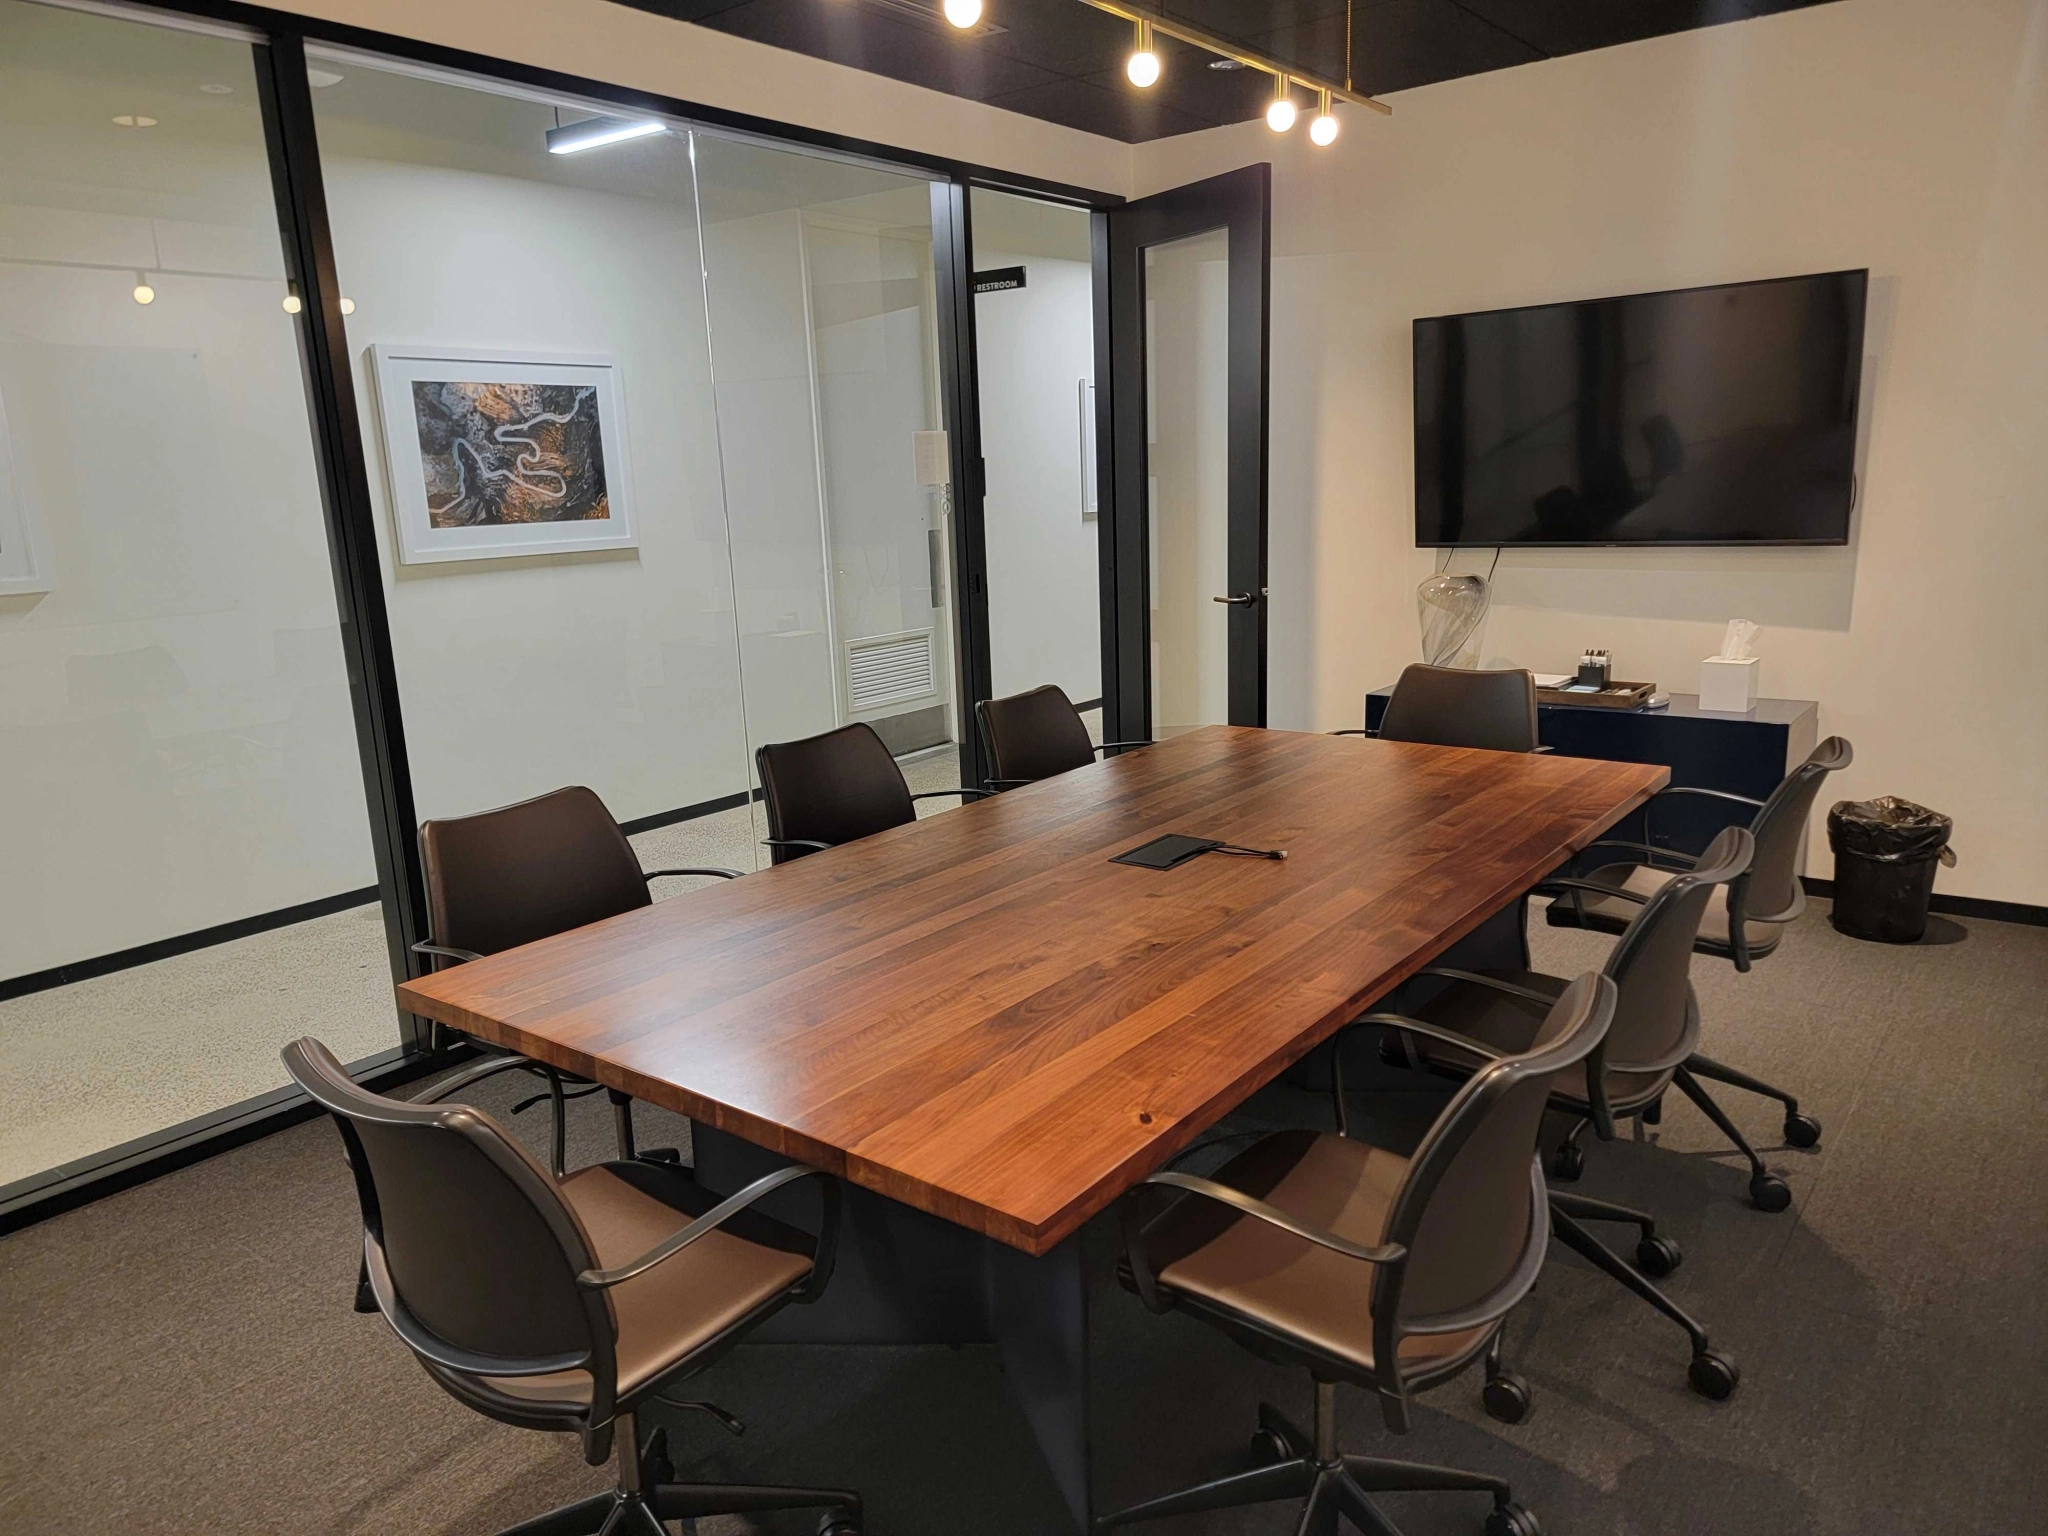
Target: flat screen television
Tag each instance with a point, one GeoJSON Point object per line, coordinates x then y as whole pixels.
{"type": "Point", "coordinates": [1722, 415]}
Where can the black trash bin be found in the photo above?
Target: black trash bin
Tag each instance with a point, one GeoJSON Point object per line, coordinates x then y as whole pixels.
{"type": "Point", "coordinates": [1886, 851]}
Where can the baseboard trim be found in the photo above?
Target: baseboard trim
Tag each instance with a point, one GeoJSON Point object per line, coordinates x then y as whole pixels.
{"type": "Point", "coordinates": [662, 819]}
{"type": "Point", "coordinates": [84, 1180]}
{"type": "Point", "coordinates": [1085, 705]}
{"type": "Point", "coordinates": [1957, 906]}
{"type": "Point", "coordinates": [185, 943]}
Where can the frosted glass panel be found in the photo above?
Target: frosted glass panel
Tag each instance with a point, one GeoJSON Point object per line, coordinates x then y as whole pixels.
{"type": "Point", "coordinates": [177, 748]}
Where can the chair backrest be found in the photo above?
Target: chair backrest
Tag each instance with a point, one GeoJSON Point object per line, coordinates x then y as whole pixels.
{"type": "Point", "coordinates": [1470, 1211]}
{"type": "Point", "coordinates": [1780, 830]}
{"type": "Point", "coordinates": [504, 878]}
{"type": "Point", "coordinates": [1459, 707]}
{"type": "Point", "coordinates": [835, 788]}
{"type": "Point", "coordinates": [471, 1250]}
{"type": "Point", "coordinates": [1656, 1022]}
{"type": "Point", "coordinates": [1033, 735]}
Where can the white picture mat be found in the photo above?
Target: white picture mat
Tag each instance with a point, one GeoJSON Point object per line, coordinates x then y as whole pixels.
{"type": "Point", "coordinates": [398, 368]}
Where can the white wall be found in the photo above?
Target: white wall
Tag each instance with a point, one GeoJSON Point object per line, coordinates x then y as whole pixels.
{"type": "Point", "coordinates": [1907, 137]}
{"type": "Point", "coordinates": [1034, 346]}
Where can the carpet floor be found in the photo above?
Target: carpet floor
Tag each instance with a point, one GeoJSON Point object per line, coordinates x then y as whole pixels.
{"type": "Point", "coordinates": [181, 1357]}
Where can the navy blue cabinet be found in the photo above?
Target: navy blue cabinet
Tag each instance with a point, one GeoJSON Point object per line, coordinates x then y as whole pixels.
{"type": "Point", "coordinates": [1743, 754]}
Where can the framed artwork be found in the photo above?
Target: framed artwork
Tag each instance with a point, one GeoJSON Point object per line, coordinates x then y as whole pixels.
{"type": "Point", "coordinates": [24, 544]}
{"type": "Point", "coordinates": [492, 454]}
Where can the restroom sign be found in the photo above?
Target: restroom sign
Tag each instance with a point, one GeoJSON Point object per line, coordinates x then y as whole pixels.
{"type": "Point", "coordinates": [998, 279]}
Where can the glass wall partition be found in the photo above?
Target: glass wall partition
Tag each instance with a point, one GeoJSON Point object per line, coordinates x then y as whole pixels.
{"type": "Point", "coordinates": [177, 749]}
{"type": "Point", "coordinates": [824, 337]}
{"type": "Point", "coordinates": [1034, 313]}
{"type": "Point", "coordinates": [525, 317]}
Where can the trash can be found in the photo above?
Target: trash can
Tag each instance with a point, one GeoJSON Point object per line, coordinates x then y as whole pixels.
{"type": "Point", "coordinates": [1886, 851]}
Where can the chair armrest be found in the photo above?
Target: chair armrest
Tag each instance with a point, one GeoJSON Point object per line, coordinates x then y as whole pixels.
{"type": "Point", "coordinates": [476, 1072]}
{"type": "Point", "coordinates": [1209, 1189]}
{"type": "Point", "coordinates": [447, 952]}
{"type": "Point", "coordinates": [996, 786]}
{"type": "Point", "coordinates": [1115, 746]}
{"type": "Point", "coordinates": [710, 1221]}
{"type": "Point", "coordinates": [1711, 794]}
{"type": "Point", "coordinates": [1449, 1037]}
{"type": "Point", "coordinates": [1527, 994]}
{"type": "Point", "coordinates": [1352, 733]}
{"type": "Point", "coordinates": [1559, 883]}
{"type": "Point", "coordinates": [1541, 748]}
{"type": "Point", "coordinates": [793, 842]}
{"type": "Point", "coordinates": [963, 792]}
{"type": "Point", "coordinates": [716, 873]}
{"type": "Point", "coordinates": [1685, 860]}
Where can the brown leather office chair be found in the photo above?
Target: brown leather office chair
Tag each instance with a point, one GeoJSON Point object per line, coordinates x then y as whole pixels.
{"type": "Point", "coordinates": [1476, 1015]}
{"type": "Point", "coordinates": [1360, 1265]}
{"type": "Point", "coordinates": [502, 878]}
{"type": "Point", "coordinates": [1461, 707]}
{"type": "Point", "coordinates": [565, 1304]}
{"type": "Point", "coordinates": [1743, 923]}
{"type": "Point", "coordinates": [834, 788]}
{"type": "Point", "coordinates": [1035, 735]}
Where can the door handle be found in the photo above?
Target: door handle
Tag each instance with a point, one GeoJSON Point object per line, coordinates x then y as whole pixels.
{"type": "Point", "coordinates": [1239, 599]}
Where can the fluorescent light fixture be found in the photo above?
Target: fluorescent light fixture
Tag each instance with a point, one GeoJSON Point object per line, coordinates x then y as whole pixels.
{"type": "Point", "coordinates": [595, 132]}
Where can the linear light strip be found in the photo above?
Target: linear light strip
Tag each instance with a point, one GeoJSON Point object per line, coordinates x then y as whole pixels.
{"type": "Point", "coordinates": [1167, 26]}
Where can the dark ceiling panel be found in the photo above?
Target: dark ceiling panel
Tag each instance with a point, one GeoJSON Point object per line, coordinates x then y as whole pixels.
{"type": "Point", "coordinates": [1063, 61]}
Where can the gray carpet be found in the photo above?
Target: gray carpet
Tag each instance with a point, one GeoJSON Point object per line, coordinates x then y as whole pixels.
{"type": "Point", "coordinates": [182, 1357]}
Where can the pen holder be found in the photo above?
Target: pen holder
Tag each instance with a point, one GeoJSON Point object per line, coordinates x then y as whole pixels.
{"type": "Point", "coordinates": [1728, 687]}
{"type": "Point", "coordinates": [1596, 674]}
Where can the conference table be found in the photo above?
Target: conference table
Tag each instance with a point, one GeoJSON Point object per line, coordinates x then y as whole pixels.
{"type": "Point", "coordinates": [990, 1032]}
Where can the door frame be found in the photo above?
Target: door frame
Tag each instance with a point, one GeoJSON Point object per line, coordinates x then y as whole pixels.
{"type": "Point", "coordinates": [1239, 202]}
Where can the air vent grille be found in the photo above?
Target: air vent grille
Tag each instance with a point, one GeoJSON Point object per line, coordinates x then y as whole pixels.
{"type": "Point", "coordinates": [890, 669]}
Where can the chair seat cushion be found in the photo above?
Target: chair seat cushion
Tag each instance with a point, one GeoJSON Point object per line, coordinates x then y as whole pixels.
{"type": "Point", "coordinates": [1611, 914]}
{"type": "Point", "coordinates": [1508, 1024]}
{"type": "Point", "coordinates": [1285, 1283]}
{"type": "Point", "coordinates": [684, 1302]}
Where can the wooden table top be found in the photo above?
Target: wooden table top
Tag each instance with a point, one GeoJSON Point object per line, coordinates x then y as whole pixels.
{"type": "Point", "coordinates": [978, 1015]}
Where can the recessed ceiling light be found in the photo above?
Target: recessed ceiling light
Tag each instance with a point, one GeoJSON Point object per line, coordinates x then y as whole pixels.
{"type": "Point", "coordinates": [319, 79]}
{"type": "Point", "coordinates": [963, 13]}
{"type": "Point", "coordinates": [135, 120]}
{"type": "Point", "coordinates": [217, 89]}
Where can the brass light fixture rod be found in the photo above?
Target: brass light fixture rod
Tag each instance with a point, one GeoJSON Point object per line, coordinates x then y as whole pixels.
{"type": "Point", "coordinates": [1166, 26]}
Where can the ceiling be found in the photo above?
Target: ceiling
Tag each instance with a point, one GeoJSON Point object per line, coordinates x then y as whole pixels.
{"type": "Point", "coordinates": [1062, 61]}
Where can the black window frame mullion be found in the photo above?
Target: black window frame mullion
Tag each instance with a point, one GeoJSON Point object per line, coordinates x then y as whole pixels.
{"type": "Point", "coordinates": [350, 516]}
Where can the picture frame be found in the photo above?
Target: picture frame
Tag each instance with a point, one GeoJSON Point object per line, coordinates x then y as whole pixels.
{"type": "Point", "coordinates": [25, 561]}
{"type": "Point", "coordinates": [493, 454]}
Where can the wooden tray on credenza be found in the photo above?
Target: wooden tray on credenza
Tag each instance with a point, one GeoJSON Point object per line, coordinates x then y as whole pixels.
{"type": "Point", "coordinates": [1613, 696]}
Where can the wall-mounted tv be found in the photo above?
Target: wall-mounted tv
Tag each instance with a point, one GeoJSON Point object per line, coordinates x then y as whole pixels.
{"type": "Point", "coordinates": [1722, 415]}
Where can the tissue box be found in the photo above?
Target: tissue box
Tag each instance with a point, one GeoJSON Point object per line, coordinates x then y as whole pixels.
{"type": "Point", "coordinates": [1728, 687]}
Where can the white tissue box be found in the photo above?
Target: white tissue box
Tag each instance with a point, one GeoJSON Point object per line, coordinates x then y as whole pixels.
{"type": "Point", "coordinates": [1728, 687]}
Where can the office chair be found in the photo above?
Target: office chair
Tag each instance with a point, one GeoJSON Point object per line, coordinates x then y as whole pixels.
{"type": "Point", "coordinates": [1034, 735]}
{"type": "Point", "coordinates": [1744, 923]}
{"type": "Point", "coordinates": [1461, 707]}
{"type": "Point", "coordinates": [503, 878]}
{"type": "Point", "coordinates": [1477, 1015]}
{"type": "Point", "coordinates": [1359, 1265]}
{"type": "Point", "coordinates": [835, 788]}
{"type": "Point", "coordinates": [569, 1304]}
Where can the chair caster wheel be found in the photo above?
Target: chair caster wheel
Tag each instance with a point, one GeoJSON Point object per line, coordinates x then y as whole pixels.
{"type": "Point", "coordinates": [1568, 1162]}
{"type": "Point", "coordinates": [668, 1157]}
{"type": "Point", "coordinates": [1393, 1053]}
{"type": "Point", "coordinates": [1513, 1520]}
{"type": "Point", "coordinates": [1713, 1375]}
{"type": "Point", "coordinates": [1658, 1256]}
{"type": "Point", "coordinates": [1802, 1131]}
{"type": "Point", "coordinates": [837, 1525]}
{"type": "Point", "coordinates": [1507, 1398]}
{"type": "Point", "coordinates": [1768, 1192]}
{"type": "Point", "coordinates": [1269, 1450]}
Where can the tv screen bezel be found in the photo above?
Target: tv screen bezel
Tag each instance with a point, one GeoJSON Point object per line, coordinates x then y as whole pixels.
{"type": "Point", "coordinates": [1855, 424]}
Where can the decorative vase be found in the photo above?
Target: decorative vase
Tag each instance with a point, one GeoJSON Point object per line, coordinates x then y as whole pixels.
{"type": "Point", "coordinates": [1452, 610]}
